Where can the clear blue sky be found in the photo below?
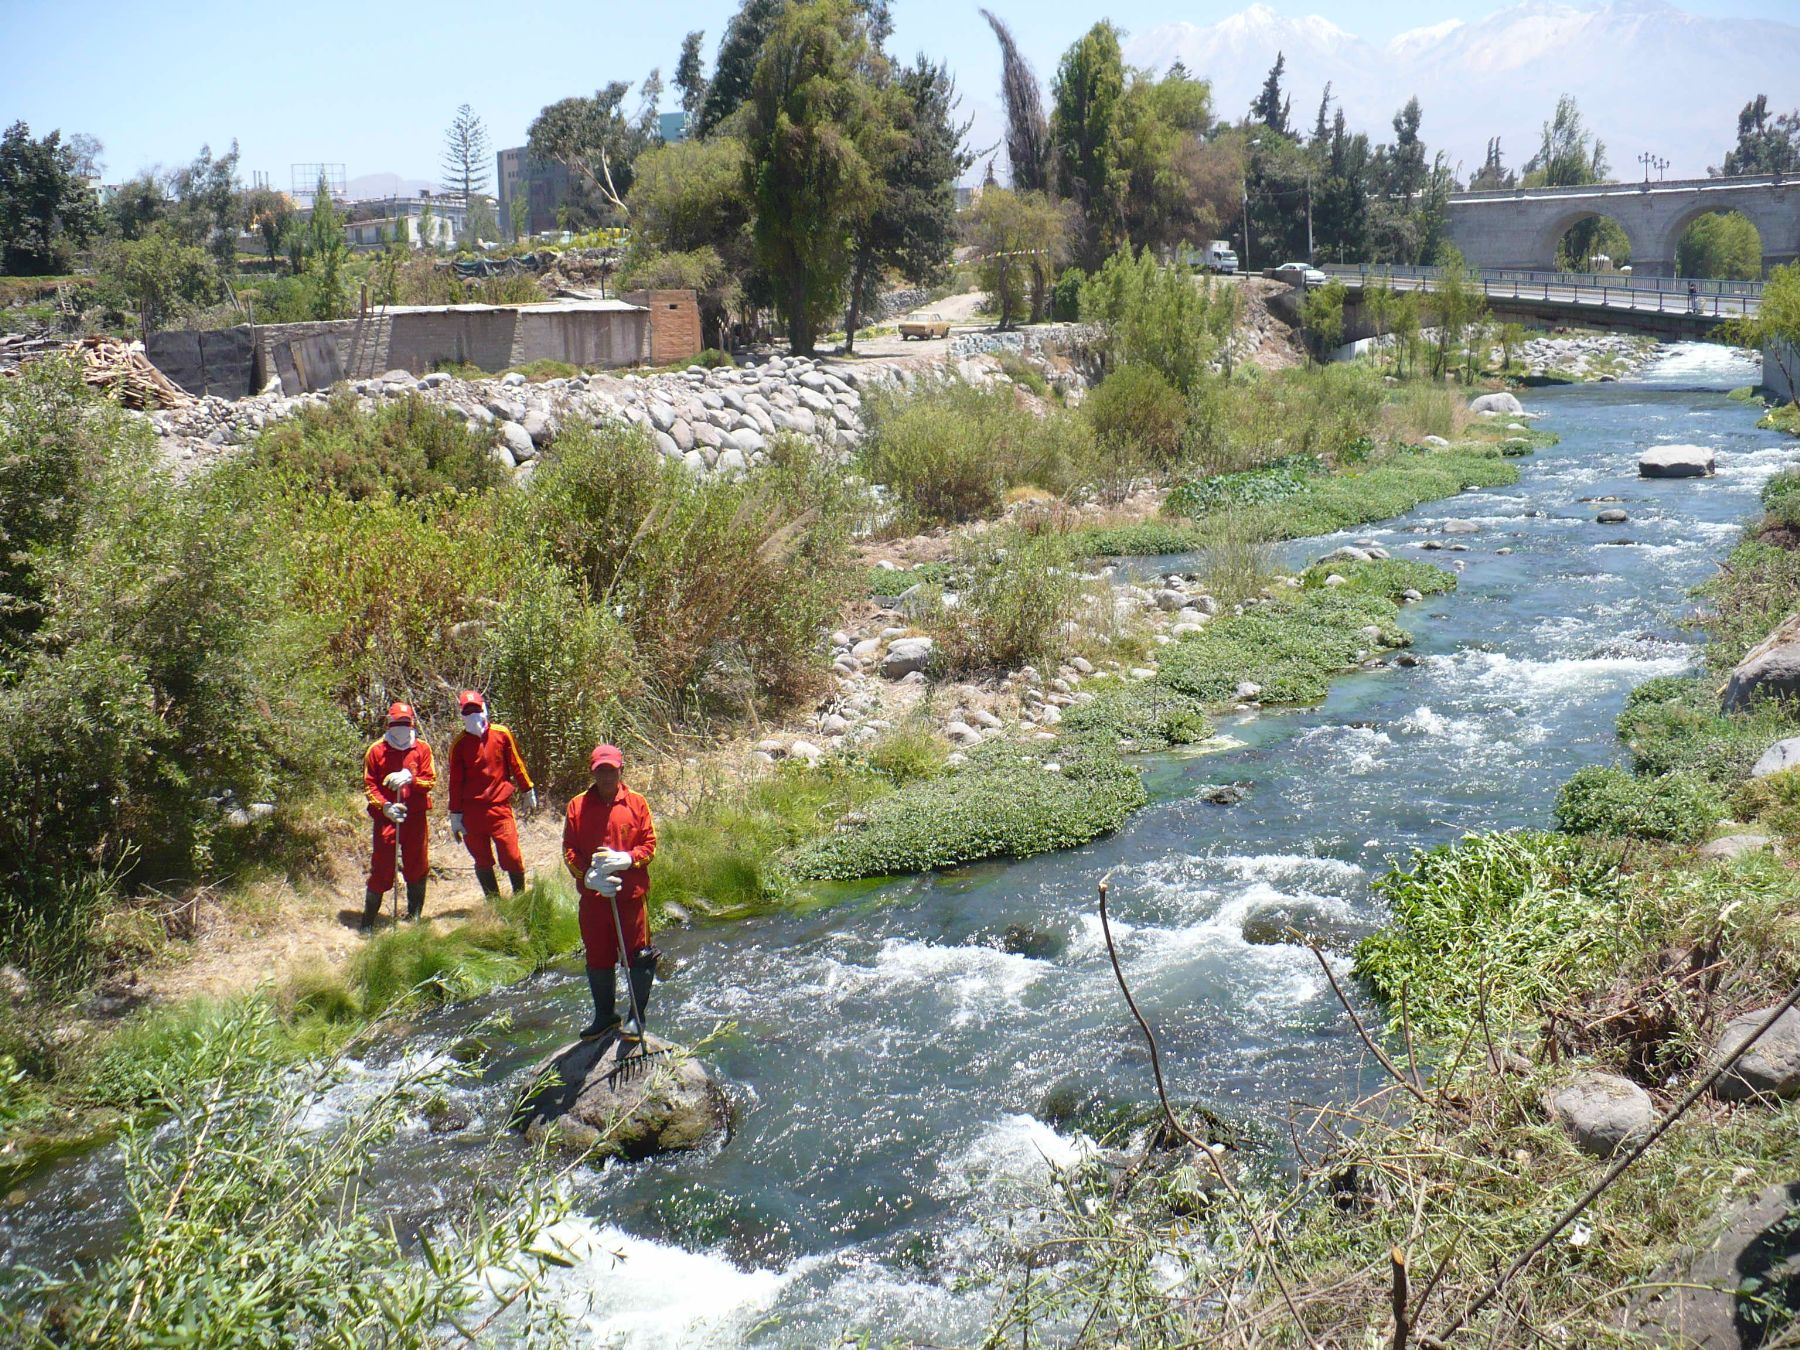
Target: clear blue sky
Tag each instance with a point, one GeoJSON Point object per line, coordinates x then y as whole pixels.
{"type": "Point", "coordinates": [373, 84]}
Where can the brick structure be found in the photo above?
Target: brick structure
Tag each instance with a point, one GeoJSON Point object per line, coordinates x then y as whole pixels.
{"type": "Point", "coordinates": [674, 324]}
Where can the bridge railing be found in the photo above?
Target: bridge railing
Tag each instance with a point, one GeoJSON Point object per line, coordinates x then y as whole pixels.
{"type": "Point", "coordinates": [1667, 295]}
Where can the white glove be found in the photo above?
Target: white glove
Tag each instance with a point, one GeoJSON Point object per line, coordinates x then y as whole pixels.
{"type": "Point", "coordinates": [395, 811]}
{"type": "Point", "coordinates": [617, 861]}
{"type": "Point", "coordinates": [596, 874]}
{"type": "Point", "coordinates": [609, 886]}
{"type": "Point", "coordinates": [456, 826]}
{"type": "Point", "coordinates": [530, 800]}
{"type": "Point", "coordinates": [396, 780]}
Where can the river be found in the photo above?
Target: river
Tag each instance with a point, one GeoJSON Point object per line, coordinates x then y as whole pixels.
{"type": "Point", "coordinates": [890, 1061]}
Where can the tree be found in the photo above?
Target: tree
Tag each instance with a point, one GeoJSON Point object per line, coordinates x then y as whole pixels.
{"type": "Point", "coordinates": [594, 140]}
{"type": "Point", "coordinates": [913, 229]}
{"type": "Point", "coordinates": [1269, 107]}
{"type": "Point", "coordinates": [159, 277]}
{"type": "Point", "coordinates": [1457, 305]}
{"type": "Point", "coordinates": [465, 160]}
{"type": "Point", "coordinates": [1406, 160]}
{"type": "Point", "coordinates": [1173, 194]}
{"type": "Point", "coordinates": [1494, 175]}
{"type": "Point", "coordinates": [1764, 144]}
{"type": "Point", "coordinates": [735, 69]}
{"type": "Point", "coordinates": [815, 132]}
{"type": "Point", "coordinates": [1568, 155]}
{"type": "Point", "coordinates": [1321, 133]}
{"type": "Point", "coordinates": [46, 209]}
{"type": "Point", "coordinates": [1775, 327]}
{"type": "Point", "coordinates": [480, 221]}
{"type": "Point", "coordinates": [1322, 313]}
{"type": "Point", "coordinates": [1512, 337]}
{"type": "Point", "coordinates": [1723, 245]}
{"type": "Point", "coordinates": [688, 201]}
{"type": "Point", "coordinates": [1085, 131]}
{"type": "Point", "coordinates": [326, 249]}
{"type": "Point", "coordinates": [1341, 194]}
{"type": "Point", "coordinates": [1020, 239]}
{"type": "Point", "coordinates": [206, 204]}
{"type": "Point", "coordinates": [690, 76]}
{"type": "Point", "coordinates": [1027, 132]}
{"type": "Point", "coordinates": [271, 214]}
{"type": "Point", "coordinates": [1155, 316]}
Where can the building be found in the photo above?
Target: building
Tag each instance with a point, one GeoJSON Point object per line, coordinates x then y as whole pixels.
{"type": "Point", "coordinates": [671, 127]}
{"type": "Point", "coordinates": [543, 187]}
{"type": "Point", "coordinates": [440, 221]}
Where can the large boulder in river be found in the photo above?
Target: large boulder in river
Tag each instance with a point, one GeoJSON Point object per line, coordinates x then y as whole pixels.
{"type": "Point", "coordinates": [1771, 669]}
{"type": "Point", "coordinates": [625, 1101]}
{"type": "Point", "coordinates": [1676, 461]}
{"type": "Point", "coordinates": [1496, 403]}
{"type": "Point", "coordinates": [1778, 757]}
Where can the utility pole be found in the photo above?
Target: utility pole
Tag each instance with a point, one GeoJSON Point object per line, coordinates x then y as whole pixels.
{"type": "Point", "coordinates": [1309, 237]}
{"type": "Point", "coordinates": [1244, 181]}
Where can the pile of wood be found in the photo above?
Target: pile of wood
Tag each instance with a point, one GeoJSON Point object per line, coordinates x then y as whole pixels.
{"type": "Point", "coordinates": [120, 368]}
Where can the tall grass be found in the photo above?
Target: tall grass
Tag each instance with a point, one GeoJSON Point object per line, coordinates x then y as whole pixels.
{"type": "Point", "coordinates": [1019, 600]}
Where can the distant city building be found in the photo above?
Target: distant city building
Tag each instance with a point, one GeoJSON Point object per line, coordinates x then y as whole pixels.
{"type": "Point", "coordinates": [544, 188]}
{"type": "Point", "coordinates": [672, 127]}
{"type": "Point", "coordinates": [372, 223]}
{"type": "Point", "coordinates": [968, 196]}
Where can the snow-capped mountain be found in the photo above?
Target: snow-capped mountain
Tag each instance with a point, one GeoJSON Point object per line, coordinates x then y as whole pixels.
{"type": "Point", "coordinates": [1648, 76]}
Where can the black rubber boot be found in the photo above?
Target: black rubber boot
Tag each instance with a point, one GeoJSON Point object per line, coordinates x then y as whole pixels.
{"type": "Point", "coordinates": [415, 899]}
{"type": "Point", "coordinates": [490, 884]}
{"type": "Point", "coordinates": [371, 909]}
{"type": "Point", "coordinates": [518, 881]}
{"type": "Point", "coordinates": [643, 974]}
{"type": "Point", "coordinates": [605, 988]}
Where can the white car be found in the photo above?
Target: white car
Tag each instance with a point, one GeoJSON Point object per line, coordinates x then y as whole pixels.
{"type": "Point", "coordinates": [1309, 277]}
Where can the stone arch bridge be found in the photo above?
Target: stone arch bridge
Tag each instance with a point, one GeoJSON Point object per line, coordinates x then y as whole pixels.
{"type": "Point", "coordinates": [1521, 227]}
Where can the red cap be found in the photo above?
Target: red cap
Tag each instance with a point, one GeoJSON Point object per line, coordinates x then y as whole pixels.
{"type": "Point", "coordinates": [400, 715]}
{"type": "Point", "coordinates": [470, 698]}
{"type": "Point", "coordinates": [606, 754]}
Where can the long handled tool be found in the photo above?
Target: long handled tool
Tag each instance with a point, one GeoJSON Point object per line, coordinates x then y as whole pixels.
{"type": "Point", "coordinates": [637, 1013]}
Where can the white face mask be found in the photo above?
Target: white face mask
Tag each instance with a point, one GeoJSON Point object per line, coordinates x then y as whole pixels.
{"type": "Point", "coordinates": [476, 722]}
{"type": "Point", "coordinates": [401, 738]}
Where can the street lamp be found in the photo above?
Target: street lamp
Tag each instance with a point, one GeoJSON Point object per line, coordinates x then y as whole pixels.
{"type": "Point", "coordinates": [1661, 164]}
{"type": "Point", "coordinates": [1646, 159]}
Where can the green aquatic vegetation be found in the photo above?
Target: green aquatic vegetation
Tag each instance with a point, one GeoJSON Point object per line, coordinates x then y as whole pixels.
{"type": "Point", "coordinates": [1291, 646]}
{"type": "Point", "coordinates": [891, 581]}
{"type": "Point", "coordinates": [1387, 489]}
{"type": "Point", "coordinates": [1147, 714]}
{"type": "Point", "coordinates": [1005, 802]}
{"type": "Point", "coordinates": [1143, 539]}
{"type": "Point", "coordinates": [1600, 799]}
{"type": "Point", "coordinates": [1515, 919]}
{"type": "Point", "coordinates": [1673, 724]}
{"type": "Point", "coordinates": [1272, 482]}
{"type": "Point", "coordinates": [1389, 578]}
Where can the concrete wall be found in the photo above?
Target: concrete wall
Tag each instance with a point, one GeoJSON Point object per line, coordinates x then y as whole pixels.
{"type": "Point", "coordinates": [1781, 384]}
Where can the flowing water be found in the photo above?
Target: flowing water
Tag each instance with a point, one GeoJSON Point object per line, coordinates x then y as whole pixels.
{"type": "Point", "coordinates": [891, 1061]}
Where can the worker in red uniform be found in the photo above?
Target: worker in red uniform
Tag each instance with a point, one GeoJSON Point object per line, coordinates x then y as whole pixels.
{"type": "Point", "coordinates": [608, 842]}
{"type": "Point", "coordinates": [486, 775]}
{"type": "Point", "coordinates": [398, 777]}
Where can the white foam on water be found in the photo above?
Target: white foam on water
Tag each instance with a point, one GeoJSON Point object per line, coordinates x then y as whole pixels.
{"type": "Point", "coordinates": [1429, 722]}
{"type": "Point", "coordinates": [1358, 749]}
{"type": "Point", "coordinates": [1758, 466]}
{"type": "Point", "coordinates": [627, 1292]}
{"type": "Point", "coordinates": [979, 981]}
{"type": "Point", "coordinates": [1702, 363]}
{"type": "Point", "coordinates": [1016, 1147]}
{"type": "Point", "coordinates": [1556, 679]}
{"type": "Point", "coordinates": [358, 1084]}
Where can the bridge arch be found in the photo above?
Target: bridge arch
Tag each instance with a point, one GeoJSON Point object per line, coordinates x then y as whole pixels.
{"type": "Point", "coordinates": [1776, 227]}
{"type": "Point", "coordinates": [1558, 225]}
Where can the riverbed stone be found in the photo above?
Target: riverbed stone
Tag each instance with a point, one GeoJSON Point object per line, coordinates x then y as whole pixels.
{"type": "Point", "coordinates": [1777, 758]}
{"type": "Point", "coordinates": [1770, 1068]}
{"type": "Point", "coordinates": [907, 655]}
{"type": "Point", "coordinates": [1612, 516]}
{"type": "Point", "coordinates": [1496, 403]}
{"type": "Point", "coordinates": [1735, 1289]}
{"type": "Point", "coordinates": [1730, 846]}
{"type": "Point", "coordinates": [1771, 669]}
{"type": "Point", "coordinates": [1602, 1112]}
{"type": "Point", "coordinates": [600, 1095]}
{"type": "Point", "coordinates": [518, 441]}
{"type": "Point", "coordinates": [1676, 461]}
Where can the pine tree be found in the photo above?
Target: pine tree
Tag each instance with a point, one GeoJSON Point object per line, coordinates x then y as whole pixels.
{"type": "Point", "coordinates": [690, 75]}
{"type": "Point", "coordinates": [465, 162]}
{"type": "Point", "coordinates": [1268, 107]}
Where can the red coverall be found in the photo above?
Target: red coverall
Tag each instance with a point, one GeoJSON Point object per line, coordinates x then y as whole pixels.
{"type": "Point", "coordinates": [622, 823]}
{"type": "Point", "coordinates": [485, 771]}
{"type": "Point", "coordinates": [415, 858]}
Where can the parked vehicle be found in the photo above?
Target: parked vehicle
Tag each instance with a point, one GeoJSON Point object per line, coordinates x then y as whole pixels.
{"type": "Point", "coordinates": [924, 326]}
{"type": "Point", "coordinates": [1220, 257]}
{"type": "Point", "coordinates": [1291, 272]}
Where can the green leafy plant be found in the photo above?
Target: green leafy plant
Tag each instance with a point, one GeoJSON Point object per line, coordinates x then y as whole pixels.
{"type": "Point", "coordinates": [1597, 799]}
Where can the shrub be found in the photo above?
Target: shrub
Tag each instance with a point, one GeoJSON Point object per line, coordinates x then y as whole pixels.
{"type": "Point", "coordinates": [1004, 803]}
{"type": "Point", "coordinates": [907, 754]}
{"type": "Point", "coordinates": [1065, 295]}
{"type": "Point", "coordinates": [1155, 316]}
{"type": "Point", "coordinates": [1254, 418]}
{"type": "Point", "coordinates": [1773, 800]}
{"type": "Point", "coordinates": [1290, 646]}
{"type": "Point", "coordinates": [1143, 539]}
{"type": "Point", "coordinates": [950, 452]}
{"type": "Point", "coordinates": [1138, 416]}
{"type": "Point", "coordinates": [1418, 410]}
{"type": "Point", "coordinates": [406, 448]}
{"type": "Point", "coordinates": [1673, 724]}
{"type": "Point", "coordinates": [1021, 372]}
{"type": "Point", "coordinates": [1781, 498]}
{"type": "Point", "coordinates": [1509, 921]}
{"type": "Point", "coordinates": [723, 583]}
{"type": "Point", "coordinates": [1597, 799]}
{"type": "Point", "coordinates": [1752, 592]}
{"type": "Point", "coordinates": [1021, 591]}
